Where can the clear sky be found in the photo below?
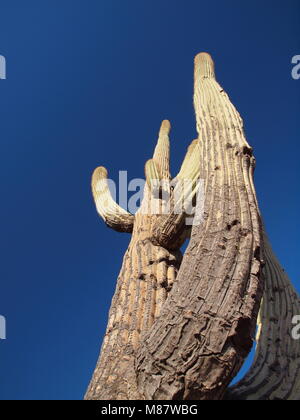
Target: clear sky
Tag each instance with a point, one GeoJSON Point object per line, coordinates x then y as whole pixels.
{"type": "Point", "coordinates": [88, 83]}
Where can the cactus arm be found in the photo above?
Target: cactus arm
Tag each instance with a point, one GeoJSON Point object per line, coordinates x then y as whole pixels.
{"type": "Point", "coordinates": [152, 175]}
{"type": "Point", "coordinates": [113, 215]}
{"type": "Point", "coordinates": [171, 231]}
{"type": "Point", "coordinates": [162, 150]}
{"type": "Point", "coordinates": [275, 373]}
{"type": "Point", "coordinates": [188, 176]}
{"type": "Point", "coordinates": [190, 164]}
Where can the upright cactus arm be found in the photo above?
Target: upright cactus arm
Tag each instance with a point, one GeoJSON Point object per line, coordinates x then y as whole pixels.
{"type": "Point", "coordinates": [153, 175]}
{"type": "Point", "coordinates": [275, 373]}
{"type": "Point", "coordinates": [162, 150]}
{"type": "Point", "coordinates": [188, 176]}
{"type": "Point", "coordinates": [158, 168]}
{"type": "Point", "coordinates": [171, 230]}
{"type": "Point", "coordinates": [113, 215]}
{"type": "Point", "coordinates": [190, 165]}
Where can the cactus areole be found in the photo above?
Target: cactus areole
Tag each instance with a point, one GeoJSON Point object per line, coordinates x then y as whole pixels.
{"type": "Point", "coordinates": [180, 327]}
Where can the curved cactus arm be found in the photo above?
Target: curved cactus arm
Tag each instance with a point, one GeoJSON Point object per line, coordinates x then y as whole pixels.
{"type": "Point", "coordinates": [113, 215]}
{"type": "Point", "coordinates": [161, 153]}
{"type": "Point", "coordinates": [275, 373]}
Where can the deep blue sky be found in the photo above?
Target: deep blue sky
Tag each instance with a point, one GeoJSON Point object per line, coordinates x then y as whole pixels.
{"type": "Point", "coordinates": [88, 83]}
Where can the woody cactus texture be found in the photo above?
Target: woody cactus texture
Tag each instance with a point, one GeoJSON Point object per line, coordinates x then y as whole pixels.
{"type": "Point", "coordinates": [180, 327]}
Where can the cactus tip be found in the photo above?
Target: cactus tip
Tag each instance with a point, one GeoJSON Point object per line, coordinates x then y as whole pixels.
{"type": "Point", "coordinates": [165, 126]}
{"type": "Point", "coordinates": [204, 65]}
{"type": "Point", "coordinates": [102, 171]}
{"type": "Point", "coordinates": [99, 173]}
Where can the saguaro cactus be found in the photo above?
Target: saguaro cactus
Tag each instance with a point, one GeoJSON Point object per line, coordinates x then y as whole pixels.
{"type": "Point", "coordinates": [182, 329]}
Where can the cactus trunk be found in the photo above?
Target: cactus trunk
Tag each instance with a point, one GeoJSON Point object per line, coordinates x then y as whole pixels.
{"type": "Point", "coordinates": [146, 277]}
{"type": "Point", "coordinates": [207, 325]}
